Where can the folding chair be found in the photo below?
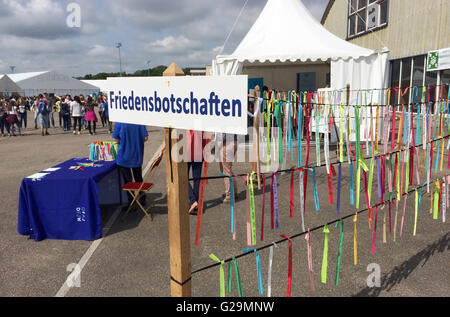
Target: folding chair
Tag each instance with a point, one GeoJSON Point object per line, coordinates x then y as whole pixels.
{"type": "Point", "coordinates": [138, 189]}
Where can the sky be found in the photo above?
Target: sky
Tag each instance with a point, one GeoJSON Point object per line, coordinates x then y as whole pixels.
{"type": "Point", "coordinates": [38, 35]}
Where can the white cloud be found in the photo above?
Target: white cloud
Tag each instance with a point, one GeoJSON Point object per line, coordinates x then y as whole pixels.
{"type": "Point", "coordinates": [173, 45]}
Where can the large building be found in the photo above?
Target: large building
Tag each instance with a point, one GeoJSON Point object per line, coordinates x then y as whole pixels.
{"type": "Point", "coordinates": [416, 32]}
{"type": "Point", "coordinates": [35, 83]}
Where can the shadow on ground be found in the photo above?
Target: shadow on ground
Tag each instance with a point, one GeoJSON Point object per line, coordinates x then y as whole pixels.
{"type": "Point", "coordinates": [401, 272]}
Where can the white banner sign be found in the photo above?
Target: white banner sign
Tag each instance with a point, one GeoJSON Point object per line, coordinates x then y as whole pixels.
{"type": "Point", "coordinates": [206, 103]}
{"type": "Point", "coordinates": [438, 60]}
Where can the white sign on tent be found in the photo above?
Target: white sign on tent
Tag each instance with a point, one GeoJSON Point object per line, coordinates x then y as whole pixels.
{"type": "Point", "coordinates": [214, 104]}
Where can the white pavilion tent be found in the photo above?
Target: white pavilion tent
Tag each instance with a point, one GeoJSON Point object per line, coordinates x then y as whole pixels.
{"type": "Point", "coordinates": [35, 83]}
{"type": "Point", "coordinates": [7, 86]}
{"type": "Point", "coordinates": [286, 31]}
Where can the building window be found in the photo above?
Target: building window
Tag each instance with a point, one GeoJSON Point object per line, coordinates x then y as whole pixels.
{"type": "Point", "coordinates": [366, 15]}
{"type": "Point", "coordinates": [412, 72]}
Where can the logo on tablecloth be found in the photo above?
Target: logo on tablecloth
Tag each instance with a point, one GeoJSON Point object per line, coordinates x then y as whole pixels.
{"type": "Point", "coordinates": [80, 214]}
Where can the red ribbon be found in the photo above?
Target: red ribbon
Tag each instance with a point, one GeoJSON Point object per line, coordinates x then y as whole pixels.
{"type": "Point", "coordinates": [289, 280]}
{"type": "Point", "coordinates": [366, 192]}
{"type": "Point", "coordinates": [383, 179]}
{"type": "Point", "coordinates": [292, 198]}
{"type": "Point", "coordinates": [292, 191]}
{"type": "Point", "coordinates": [330, 184]}
{"type": "Point", "coordinates": [305, 179]}
{"type": "Point", "coordinates": [431, 157]}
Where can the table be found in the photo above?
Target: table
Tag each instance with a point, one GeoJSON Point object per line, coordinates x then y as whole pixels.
{"type": "Point", "coordinates": [63, 203]}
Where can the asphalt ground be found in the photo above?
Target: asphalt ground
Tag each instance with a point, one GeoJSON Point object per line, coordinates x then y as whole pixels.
{"type": "Point", "coordinates": [132, 260]}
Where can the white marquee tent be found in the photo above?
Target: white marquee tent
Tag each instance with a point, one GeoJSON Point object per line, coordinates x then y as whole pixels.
{"type": "Point", "coordinates": [285, 31]}
{"type": "Point", "coordinates": [36, 83]}
{"type": "Point", "coordinates": [100, 83]}
{"type": "Point", "coordinates": [7, 86]}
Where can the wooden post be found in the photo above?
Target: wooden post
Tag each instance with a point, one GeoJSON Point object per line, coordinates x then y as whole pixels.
{"type": "Point", "coordinates": [256, 163]}
{"type": "Point", "coordinates": [178, 206]}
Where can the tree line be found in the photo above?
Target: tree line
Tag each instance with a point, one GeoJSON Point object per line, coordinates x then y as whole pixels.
{"type": "Point", "coordinates": [151, 72]}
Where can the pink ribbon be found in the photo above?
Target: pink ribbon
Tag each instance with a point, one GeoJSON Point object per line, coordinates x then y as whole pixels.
{"type": "Point", "coordinates": [310, 266]}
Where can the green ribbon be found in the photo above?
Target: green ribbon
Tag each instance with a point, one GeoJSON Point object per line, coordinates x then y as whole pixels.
{"type": "Point", "coordinates": [325, 256]}
{"type": "Point", "coordinates": [230, 277]}
{"type": "Point", "coordinates": [341, 241]}
{"type": "Point", "coordinates": [222, 274]}
{"type": "Point", "coordinates": [372, 165]}
{"type": "Point", "coordinates": [436, 200]}
{"type": "Point", "coordinates": [252, 209]}
{"type": "Point", "coordinates": [277, 115]}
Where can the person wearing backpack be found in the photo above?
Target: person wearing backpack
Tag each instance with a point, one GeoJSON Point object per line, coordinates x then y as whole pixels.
{"type": "Point", "coordinates": [43, 115]}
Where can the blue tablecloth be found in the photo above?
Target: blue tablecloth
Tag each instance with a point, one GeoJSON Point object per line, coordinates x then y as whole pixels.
{"type": "Point", "coordinates": [64, 203]}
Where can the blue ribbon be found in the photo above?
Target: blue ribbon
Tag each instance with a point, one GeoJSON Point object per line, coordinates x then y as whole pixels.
{"type": "Point", "coordinates": [405, 125]}
{"type": "Point", "coordinates": [316, 196]}
{"type": "Point", "coordinates": [299, 135]}
{"type": "Point", "coordinates": [258, 269]}
{"type": "Point", "coordinates": [418, 124]}
{"type": "Point", "coordinates": [437, 156]}
{"type": "Point", "coordinates": [93, 158]}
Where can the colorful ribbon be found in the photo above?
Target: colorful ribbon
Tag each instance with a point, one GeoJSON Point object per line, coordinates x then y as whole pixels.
{"type": "Point", "coordinates": [323, 276]}
{"type": "Point", "coordinates": [289, 280]}
{"type": "Point", "coordinates": [230, 277]}
{"type": "Point", "coordinates": [341, 242]}
{"type": "Point", "coordinates": [258, 269]}
{"type": "Point", "coordinates": [310, 265]}
{"type": "Point", "coordinates": [222, 274]}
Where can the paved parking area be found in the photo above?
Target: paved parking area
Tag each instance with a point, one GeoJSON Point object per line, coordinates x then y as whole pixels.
{"type": "Point", "coordinates": [133, 258]}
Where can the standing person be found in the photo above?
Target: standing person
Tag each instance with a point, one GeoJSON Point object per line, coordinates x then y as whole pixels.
{"type": "Point", "coordinates": [22, 110]}
{"type": "Point", "coordinates": [51, 102]}
{"type": "Point", "coordinates": [35, 108]}
{"type": "Point", "coordinates": [101, 109]}
{"type": "Point", "coordinates": [12, 117]}
{"type": "Point", "coordinates": [106, 112]}
{"type": "Point", "coordinates": [194, 149]}
{"type": "Point", "coordinates": [58, 110]}
{"type": "Point", "coordinates": [65, 112]}
{"type": "Point", "coordinates": [90, 116]}
{"type": "Point", "coordinates": [3, 117]}
{"type": "Point", "coordinates": [130, 156]}
{"type": "Point", "coordinates": [77, 115]}
{"type": "Point", "coordinates": [227, 144]}
{"type": "Point", "coordinates": [83, 111]}
{"type": "Point", "coordinates": [44, 115]}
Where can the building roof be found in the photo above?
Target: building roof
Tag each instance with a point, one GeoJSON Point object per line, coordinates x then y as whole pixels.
{"type": "Point", "coordinates": [302, 36]}
{"type": "Point", "coordinates": [327, 11]}
{"type": "Point", "coordinates": [173, 70]}
{"type": "Point", "coordinates": [23, 76]}
{"type": "Point", "coordinates": [9, 86]}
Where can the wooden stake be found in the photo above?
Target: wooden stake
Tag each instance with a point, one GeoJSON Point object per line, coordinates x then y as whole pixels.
{"type": "Point", "coordinates": [256, 163]}
{"type": "Point", "coordinates": [178, 217]}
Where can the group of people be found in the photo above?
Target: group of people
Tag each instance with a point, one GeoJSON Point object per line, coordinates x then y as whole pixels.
{"type": "Point", "coordinates": [13, 116]}
{"type": "Point", "coordinates": [74, 113]}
